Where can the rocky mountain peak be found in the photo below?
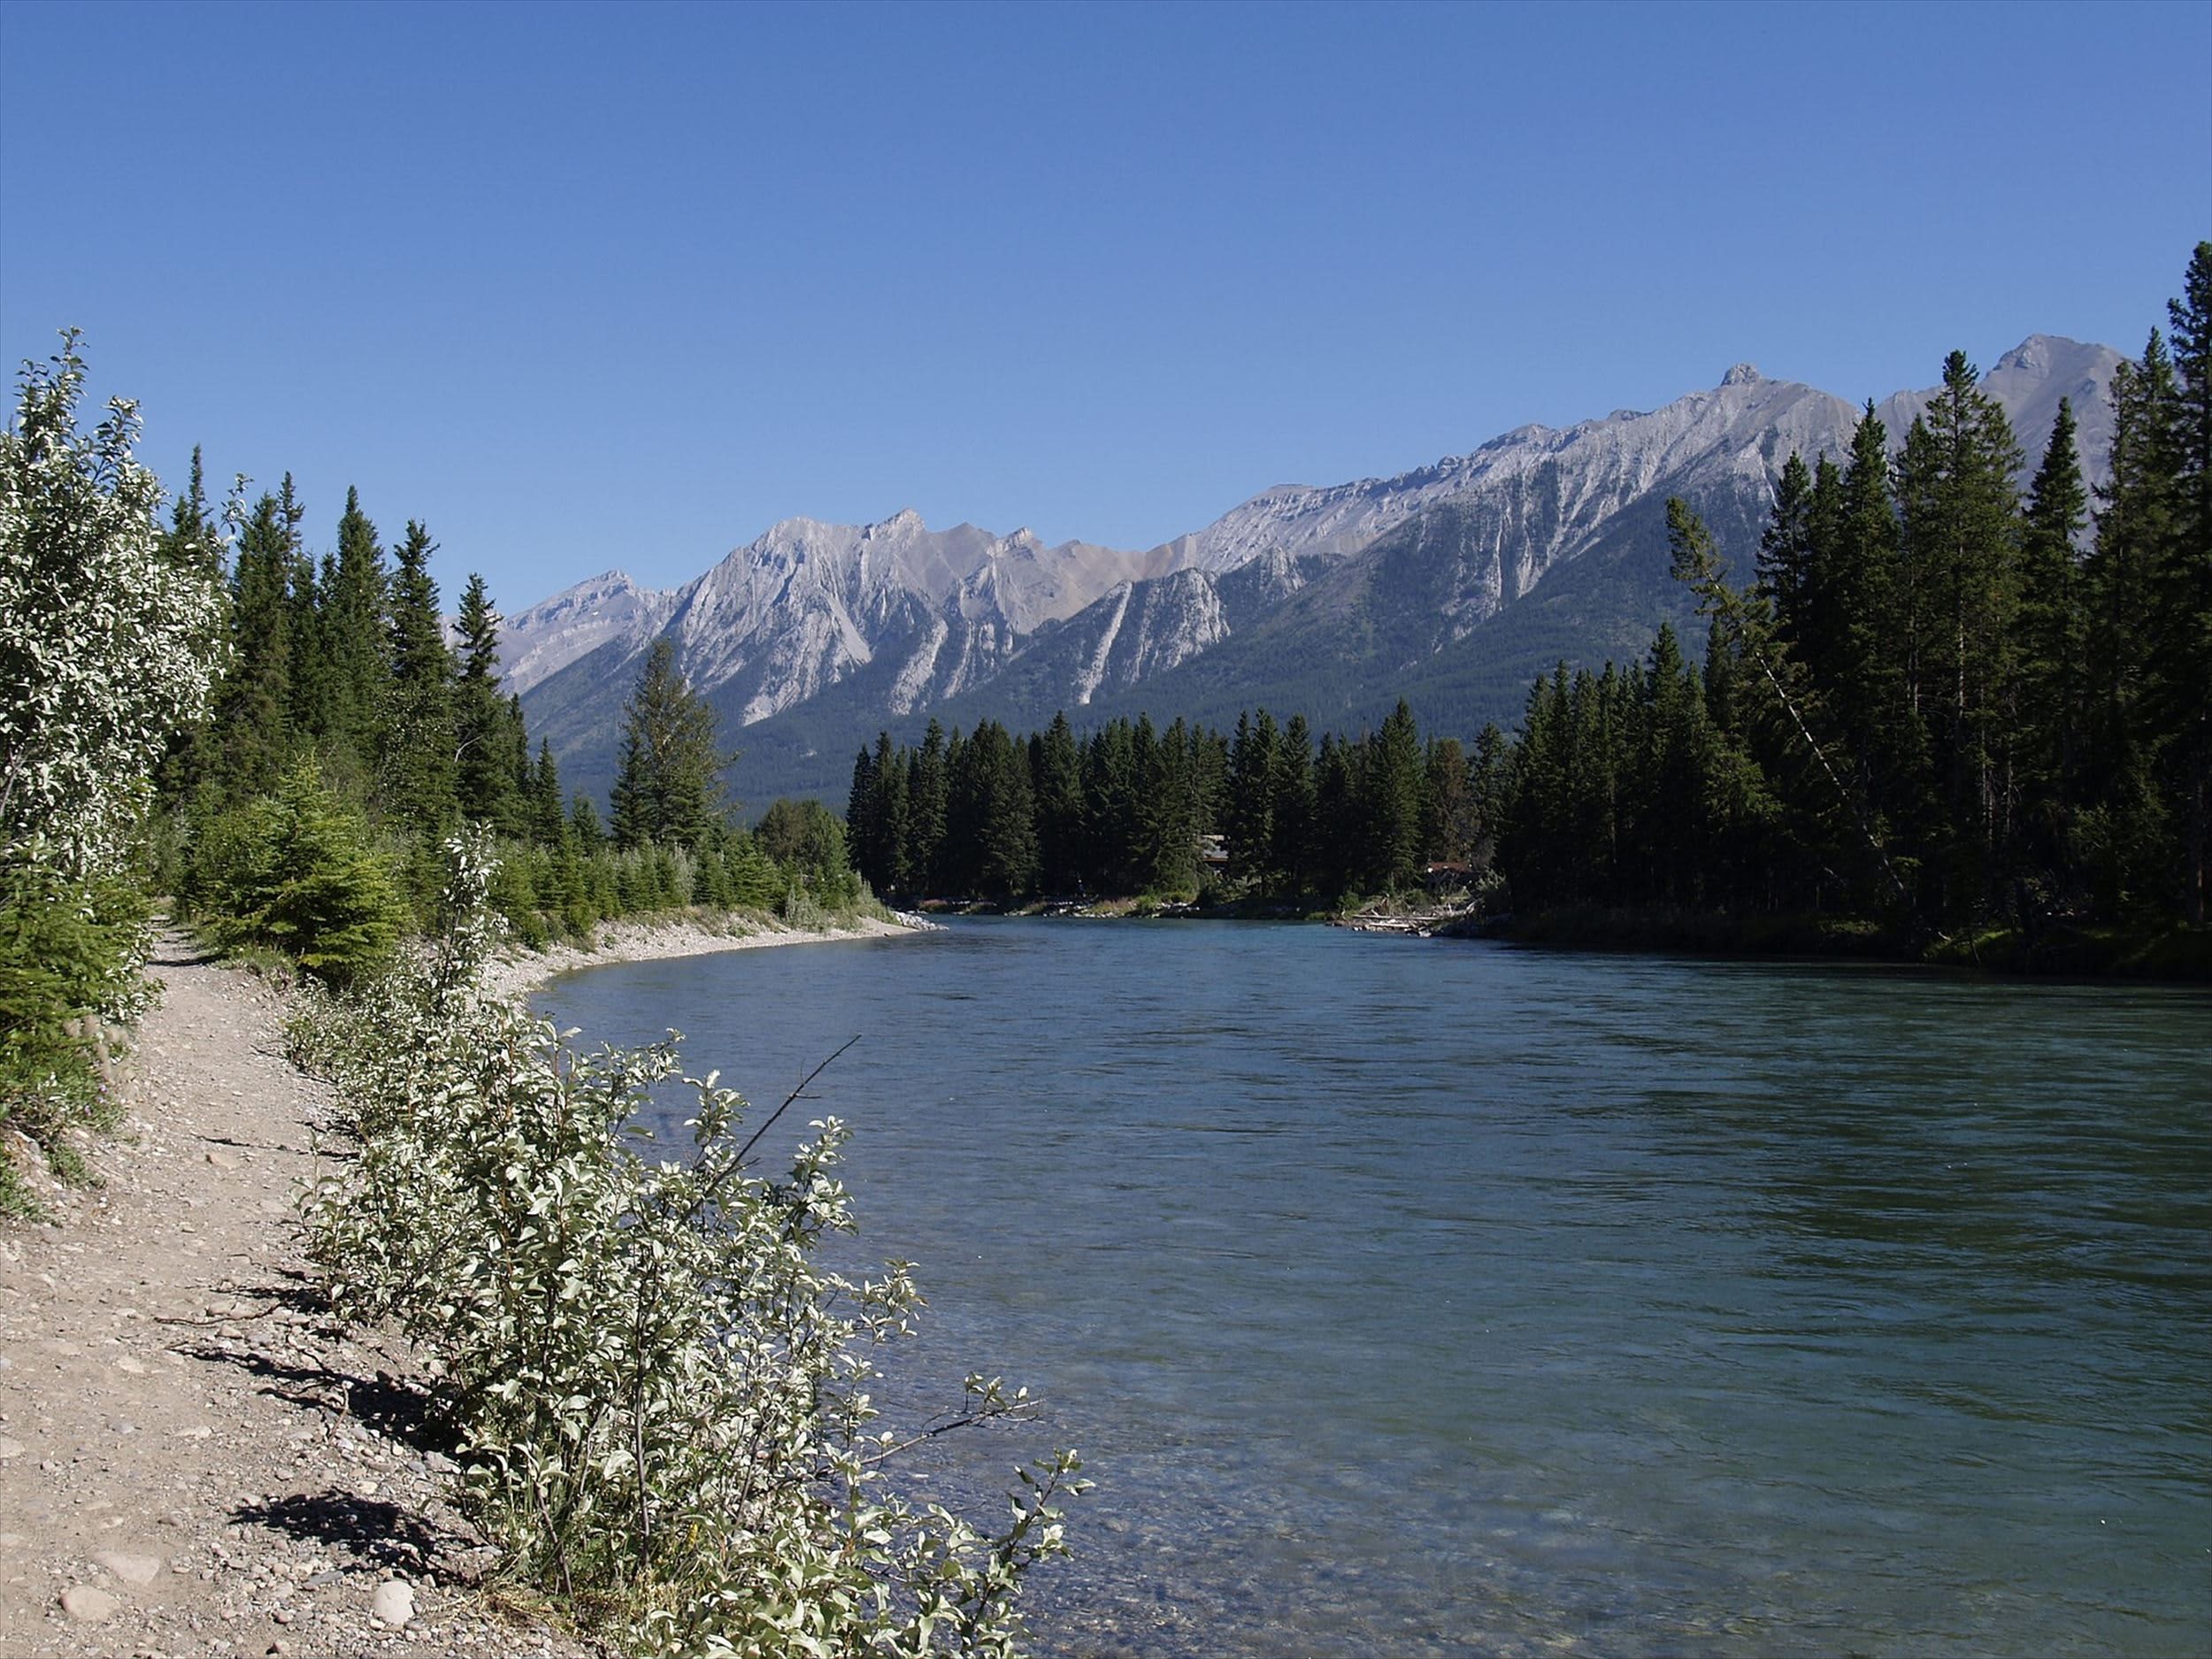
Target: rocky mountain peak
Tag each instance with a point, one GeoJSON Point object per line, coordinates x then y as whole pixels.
{"type": "Point", "coordinates": [1377, 579]}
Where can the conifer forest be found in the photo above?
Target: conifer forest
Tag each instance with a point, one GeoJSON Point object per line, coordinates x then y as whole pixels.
{"type": "Point", "coordinates": [1933, 706]}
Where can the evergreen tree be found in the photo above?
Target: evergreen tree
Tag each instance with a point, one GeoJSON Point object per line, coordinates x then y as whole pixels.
{"type": "Point", "coordinates": [1005, 847]}
{"type": "Point", "coordinates": [2052, 644]}
{"type": "Point", "coordinates": [1295, 809]}
{"type": "Point", "coordinates": [1255, 776]}
{"type": "Point", "coordinates": [417, 741]}
{"type": "Point", "coordinates": [1166, 850]}
{"type": "Point", "coordinates": [1111, 787]}
{"type": "Point", "coordinates": [357, 645]}
{"type": "Point", "coordinates": [2180, 701]}
{"type": "Point", "coordinates": [669, 785]}
{"type": "Point", "coordinates": [1675, 784]}
{"type": "Point", "coordinates": [584, 827]}
{"type": "Point", "coordinates": [253, 710]}
{"type": "Point", "coordinates": [1491, 780]}
{"type": "Point", "coordinates": [1447, 804]}
{"type": "Point", "coordinates": [926, 800]}
{"type": "Point", "coordinates": [1337, 857]}
{"type": "Point", "coordinates": [193, 544]}
{"type": "Point", "coordinates": [1789, 569]}
{"type": "Point", "coordinates": [890, 816]}
{"type": "Point", "coordinates": [308, 674]}
{"type": "Point", "coordinates": [863, 837]}
{"type": "Point", "coordinates": [549, 826]}
{"type": "Point", "coordinates": [1389, 811]}
{"type": "Point", "coordinates": [485, 728]}
{"type": "Point", "coordinates": [2123, 827]}
{"type": "Point", "coordinates": [1961, 533]}
{"type": "Point", "coordinates": [1055, 766]}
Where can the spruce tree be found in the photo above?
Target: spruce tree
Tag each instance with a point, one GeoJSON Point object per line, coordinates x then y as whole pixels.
{"type": "Point", "coordinates": [416, 761]}
{"type": "Point", "coordinates": [1166, 850]}
{"type": "Point", "coordinates": [2180, 699]}
{"type": "Point", "coordinates": [863, 837]}
{"type": "Point", "coordinates": [253, 710]}
{"type": "Point", "coordinates": [356, 641]}
{"type": "Point", "coordinates": [192, 543]}
{"type": "Point", "coordinates": [484, 726]}
{"type": "Point", "coordinates": [890, 817]}
{"type": "Point", "coordinates": [1389, 811]}
{"type": "Point", "coordinates": [1447, 804]}
{"type": "Point", "coordinates": [668, 788]}
{"type": "Point", "coordinates": [1294, 827]}
{"type": "Point", "coordinates": [1111, 787]}
{"type": "Point", "coordinates": [1249, 819]}
{"type": "Point", "coordinates": [549, 826]}
{"type": "Point", "coordinates": [2122, 829]}
{"type": "Point", "coordinates": [1960, 530]}
{"type": "Point", "coordinates": [2052, 644]}
{"type": "Point", "coordinates": [1006, 834]}
{"type": "Point", "coordinates": [309, 674]}
{"type": "Point", "coordinates": [1057, 784]}
{"type": "Point", "coordinates": [925, 803]}
{"type": "Point", "coordinates": [1788, 571]}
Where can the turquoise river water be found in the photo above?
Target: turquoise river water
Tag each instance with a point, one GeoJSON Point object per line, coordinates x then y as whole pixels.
{"type": "Point", "coordinates": [1428, 1297]}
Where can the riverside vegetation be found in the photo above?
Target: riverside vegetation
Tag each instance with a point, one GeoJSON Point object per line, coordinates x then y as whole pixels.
{"type": "Point", "coordinates": [659, 1396]}
{"type": "Point", "coordinates": [280, 745]}
{"type": "Point", "coordinates": [1944, 716]}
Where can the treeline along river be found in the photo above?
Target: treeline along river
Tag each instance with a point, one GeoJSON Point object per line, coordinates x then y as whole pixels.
{"type": "Point", "coordinates": [1444, 1298]}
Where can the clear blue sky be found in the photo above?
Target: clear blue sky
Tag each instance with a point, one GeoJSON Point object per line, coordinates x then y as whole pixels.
{"type": "Point", "coordinates": [593, 287]}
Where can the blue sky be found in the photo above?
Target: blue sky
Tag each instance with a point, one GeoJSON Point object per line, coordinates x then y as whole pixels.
{"type": "Point", "coordinates": [593, 287]}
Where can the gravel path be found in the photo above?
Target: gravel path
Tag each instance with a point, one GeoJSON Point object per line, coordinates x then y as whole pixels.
{"type": "Point", "coordinates": [194, 1460]}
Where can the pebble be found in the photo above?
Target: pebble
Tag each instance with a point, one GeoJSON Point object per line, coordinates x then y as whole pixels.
{"type": "Point", "coordinates": [88, 1604]}
{"type": "Point", "coordinates": [10, 1449]}
{"type": "Point", "coordinates": [129, 1568]}
{"type": "Point", "coordinates": [393, 1604]}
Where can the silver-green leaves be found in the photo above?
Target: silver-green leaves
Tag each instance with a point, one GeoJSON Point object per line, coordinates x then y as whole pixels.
{"type": "Point", "coordinates": [661, 1392]}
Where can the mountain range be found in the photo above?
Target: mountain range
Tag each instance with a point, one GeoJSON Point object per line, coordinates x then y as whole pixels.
{"type": "Point", "coordinates": [1453, 585]}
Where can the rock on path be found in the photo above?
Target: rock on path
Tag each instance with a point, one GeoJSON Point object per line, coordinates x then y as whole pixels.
{"type": "Point", "coordinates": [193, 1459]}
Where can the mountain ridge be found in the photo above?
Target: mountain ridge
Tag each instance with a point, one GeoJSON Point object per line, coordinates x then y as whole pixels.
{"type": "Point", "coordinates": [817, 633]}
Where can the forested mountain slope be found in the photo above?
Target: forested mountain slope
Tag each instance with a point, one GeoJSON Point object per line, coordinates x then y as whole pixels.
{"type": "Point", "coordinates": [1452, 583]}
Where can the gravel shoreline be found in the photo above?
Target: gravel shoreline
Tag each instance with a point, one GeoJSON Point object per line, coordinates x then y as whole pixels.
{"type": "Point", "coordinates": [195, 1458]}
{"type": "Point", "coordinates": [518, 972]}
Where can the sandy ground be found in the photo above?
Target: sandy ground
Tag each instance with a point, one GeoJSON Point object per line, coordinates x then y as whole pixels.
{"type": "Point", "coordinates": [194, 1459]}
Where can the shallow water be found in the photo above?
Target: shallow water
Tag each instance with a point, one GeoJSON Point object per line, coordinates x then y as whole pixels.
{"type": "Point", "coordinates": [1414, 1298]}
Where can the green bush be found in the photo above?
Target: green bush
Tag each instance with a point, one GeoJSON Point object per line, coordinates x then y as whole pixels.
{"type": "Point", "coordinates": [69, 952]}
{"type": "Point", "coordinates": [298, 870]}
{"type": "Point", "coordinates": [661, 1397]}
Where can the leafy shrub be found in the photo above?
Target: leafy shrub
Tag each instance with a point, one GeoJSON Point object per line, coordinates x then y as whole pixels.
{"type": "Point", "coordinates": [298, 870]}
{"type": "Point", "coordinates": [660, 1394]}
{"type": "Point", "coordinates": [106, 646]}
{"type": "Point", "coordinates": [68, 955]}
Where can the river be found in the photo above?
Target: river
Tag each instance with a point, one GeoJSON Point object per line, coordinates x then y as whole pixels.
{"type": "Point", "coordinates": [1441, 1297]}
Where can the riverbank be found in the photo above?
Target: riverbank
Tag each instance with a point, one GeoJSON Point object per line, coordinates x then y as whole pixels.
{"type": "Point", "coordinates": [195, 1458]}
{"type": "Point", "coordinates": [517, 972]}
{"type": "Point", "coordinates": [2174, 955]}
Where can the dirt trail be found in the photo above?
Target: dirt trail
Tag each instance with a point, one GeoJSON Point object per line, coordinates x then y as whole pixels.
{"type": "Point", "coordinates": [193, 1459]}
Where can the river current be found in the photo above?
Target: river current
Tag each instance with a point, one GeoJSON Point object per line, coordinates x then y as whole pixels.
{"type": "Point", "coordinates": [1435, 1297]}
